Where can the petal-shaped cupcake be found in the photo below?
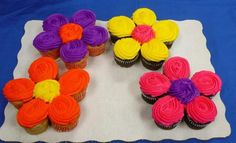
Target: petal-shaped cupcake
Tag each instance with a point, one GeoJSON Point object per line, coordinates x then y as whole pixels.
{"type": "Point", "coordinates": [54, 22]}
{"type": "Point", "coordinates": [84, 17]}
{"type": "Point", "coordinates": [144, 16]}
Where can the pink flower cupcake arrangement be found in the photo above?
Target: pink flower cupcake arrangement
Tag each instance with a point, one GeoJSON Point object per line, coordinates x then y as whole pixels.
{"type": "Point", "coordinates": [175, 97]}
{"type": "Point", "coordinates": [73, 39]}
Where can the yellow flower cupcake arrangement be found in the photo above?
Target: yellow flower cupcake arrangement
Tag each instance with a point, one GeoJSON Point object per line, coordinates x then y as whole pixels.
{"type": "Point", "coordinates": [142, 35]}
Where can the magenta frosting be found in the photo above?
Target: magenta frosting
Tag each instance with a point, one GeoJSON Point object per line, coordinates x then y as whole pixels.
{"type": "Point", "coordinates": [46, 41]}
{"type": "Point", "coordinates": [73, 51]}
{"type": "Point", "coordinates": [95, 35]}
{"type": "Point", "coordinates": [184, 90]}
{"type": "Point", "coordinates": [84, 18]}
{"type": "Point", "coordinates": [54, 22]}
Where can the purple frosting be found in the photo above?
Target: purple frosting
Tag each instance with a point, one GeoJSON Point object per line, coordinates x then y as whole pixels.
{"type": "Point", "coordinates": [46, 41]}
{"type": "Point", "coordinates": [184, 90]}
{"type": "Point", "coordinates": [95, 35]}
{"type": "Point", "coordinates": [73, 51]}
{"type": "Point", "coordinates": [54, 22]}
{"type": "Point", "coordinates": [84, 18]}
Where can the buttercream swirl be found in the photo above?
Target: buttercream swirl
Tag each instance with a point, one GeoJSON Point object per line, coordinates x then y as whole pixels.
{"type": "Point", "coordinates": [54, 22]}
{"type": "Point", "coordinates": [154, 50]}
{"type": "Point", "coordinates": [143, 33]}
{"type": "Point", "coordinates": [201, 110]}
{"type": "Point", "coordinates": [64, 110]}
{"type": "Point", "coordinates": [176, 68]}
{"type": "Point", "coordinates": [144, 16]}
{"type": "Point", "coordinates": [95, 35]}
{"type": "Point", "coordinates": [45, 41]}
{"type": "Point", "coordinates": [73, 51]}
{"type": "Point", "coordinates": [84, 17]}
{"type": "Point", "coordinates": [184, 90]}
{"type": "Point", "coordinates": [207, 82]}
{"type": "Point", "coordinates": [126, 48]}
{"type": "Point", "coordinates": [70, 32]}
{"type": "Point", "coordinates": [154, 84]}
{"type": "Point", "coordinates": [167, 111]}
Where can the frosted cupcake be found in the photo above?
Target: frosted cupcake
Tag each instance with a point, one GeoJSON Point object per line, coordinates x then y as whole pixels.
{"type": "Point", "coordinates": [74, 54]}
{"type": "Point", "coordinates": [167, 112]}
{"type": "Point", "coordinates": [166, 31]}
{"type": "Point", "coordinates": [207, 82]}
{"type": "Point", "coordinates": [153, 85]}
{"type": "Point", "coordinates": [95, 37]}
{"type": "Point", "coordinates": [126, 52]}
{"type": "Point", "coordinates": [200, 112]}
{"type": "Point", "coordinates": [154, 53]}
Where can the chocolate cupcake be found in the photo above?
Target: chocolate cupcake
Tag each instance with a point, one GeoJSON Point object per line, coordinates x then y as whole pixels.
{"type": "Point", "coordinates": [167, 112]}
{"type": "Point", "coordinates": [126, 52]}
{"type": "Point", "coordinates": [153, 85]}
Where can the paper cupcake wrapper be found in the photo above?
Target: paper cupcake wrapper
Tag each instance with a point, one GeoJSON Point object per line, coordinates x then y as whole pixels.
{"type": "Point", "coordinates": [96, 50]}
{"type": "Point", "coordinates": [151, 65]}
{"type": "Point", "coordinates": [169, 44]}
{"type": "Point", "coordinates": [126, 63]}
{"type": "Point", "coordinates": [80, 96]}
{"type": "Point", "coordinates": [64, 128]}
{"type": "Point", "coordinates": [43, 126]}
{"type": "Point", "coordinates": [55, 53]}
{"type": "Point", "coordinates": [193, 124]}
{"type": "Point", "coordinates": [149, 99]}
{"type": "Point", "coordinates": [115, 38]}
{"type": "Point", "coordinates": [167, 127]}
{"type": "Point", "coordinates": [80, 64]}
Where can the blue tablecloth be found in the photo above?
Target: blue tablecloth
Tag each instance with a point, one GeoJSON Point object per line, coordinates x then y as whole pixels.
{"type": "Point", "coordinates": [217, 16]}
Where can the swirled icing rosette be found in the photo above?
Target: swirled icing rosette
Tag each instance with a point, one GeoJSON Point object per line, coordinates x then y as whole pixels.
{"type": "Point", "coordinates": [167, 112]}
{"type": "Point", "coordinates": [207, 82]}
{"type": "Point", "coordinates": [176, 67]}
{"type": "Point", "coordinates": [42, 69]}
{"type": "Point", "coordinates": [143, 33]}
{"type": "Point", "coordinates": [54, 22]}
{"type": "Point", "coordinates": [144, 16]}
{"type": "Point", "coordinates": [84, 17]}
{"type": "Point", "coordinates": [201, 111]}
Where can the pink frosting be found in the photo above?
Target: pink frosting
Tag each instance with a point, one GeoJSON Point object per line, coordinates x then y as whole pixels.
{"type": "Point", "coordinates": [154, 84]}
{"type": "Point", "coordinates": [176, 68]}
{"type": "Point", "coordinates": [207, 82]}
{"type": "Point", "coordinates": [167, 111]}
{"type": "Point", "coordinates": [201, 110]}
{"type": "Point", "coordinates": [143, 33]}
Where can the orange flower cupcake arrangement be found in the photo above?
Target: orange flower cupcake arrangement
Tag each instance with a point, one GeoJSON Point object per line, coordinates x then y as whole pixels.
{"type": "Point", "coordinates": [44, 98]}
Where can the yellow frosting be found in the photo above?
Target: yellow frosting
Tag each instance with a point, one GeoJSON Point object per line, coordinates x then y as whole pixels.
{"type": "Point", "coordinates": [144, 16]}
{"type": "Point", "coordinates": [166, 30]}
{"type": "Point", "coordinates": [126, 48]}
{"type": "Point", "coordinates": [154, 50]}
{"type": "Point", "coordinates": [120, 26]}
{"type": "Point", "coordinates": [47, 90]}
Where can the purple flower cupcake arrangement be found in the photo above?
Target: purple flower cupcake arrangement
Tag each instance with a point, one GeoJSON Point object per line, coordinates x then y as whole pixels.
{"type": "Point", "coordinates": [175, 97]}
{"type": "Point", "coordinates": [73, 39]}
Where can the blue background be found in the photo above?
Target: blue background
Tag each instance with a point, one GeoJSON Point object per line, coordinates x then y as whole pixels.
{"type": "Point", "coordinates": [218, 19]}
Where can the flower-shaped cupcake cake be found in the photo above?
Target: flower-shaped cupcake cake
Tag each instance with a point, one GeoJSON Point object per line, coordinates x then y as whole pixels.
{"type": "Point", "coordinates": [142, 32]}
{"type": "Point", "coordinates": [72, 39]}
{"type": "Point", "coordinates": [176, 97]}
{"type": "Point", "coordinates": [43, 98]}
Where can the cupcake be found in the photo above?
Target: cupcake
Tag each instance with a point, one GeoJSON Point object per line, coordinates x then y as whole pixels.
{"type": "Point", "coordinates": [43, 68]}
{"type": "Point", "coordinates": [120, 27]}
{"type": "Point", "coordinates": [144, 16]}
{"type": "Point", "coordinates": [18, 91]}
{"type": "Point", "coordinates": [54, 22]}
{"type": "Point", "coordinates": [95, 37]}
{"type": "Point", "coordinates": [153, 54]}
{"type": "Point", "coordinates": [176, 67]}
{"type": "Point", "coordinates": [200, 112]}
{"type": "Point", "coordinates": [66, 118]}
{"type": "Point", "coordinates": [74, 83]}
{"type": "Point", "coordinates": [153, 85]}
{"type": "Point", "coordinates": [48, 44]}
{"type": "Point", "coordinates": [74, 54]}
{"type": "Point", "coordinates": [84, 17]}
{"type": "Point", "coordinates": [32, 116]}
{"type": "Point", "coordinates": [166, 31]}
{"type": "Point", "coordinates": [167, 112]}
{"type": "Point", "coordinates": [126, 52]}
{"type": "Point", "coordinates": [207, 82]}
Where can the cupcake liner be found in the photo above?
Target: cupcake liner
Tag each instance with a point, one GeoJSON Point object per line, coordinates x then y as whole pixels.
{"type": "Point", "coordinates": [151, 65]}
{"type": "Point", "coordinates": [80, 64]}
{"type": "Point", "coordinates": [169, 44]}
{"type": "Point", "coordinates": [208, 96]}
{"type": "Point", "coordinates": [17, 104]}
{"type": "Point", "coordinates": [126, 63]}
{"type": "Point", "coordinates": [167, 127]}
{"type": "Point", "coordinates": [43, 126]}
{"type": "Point", "coordinates": [115, 38]}
{"type": "Point", "coordinates": [194, 125]}
{"type": "Point", "coordinates": [80, 96]}
{"type": "Point", "coordinates": [96, 50]}
{"type": "Point", "coordinates": [55, 53]}
{"type": "Point", "coordinates": [65, 128]}
{"type": "Point", "coordinates": [149, 99]}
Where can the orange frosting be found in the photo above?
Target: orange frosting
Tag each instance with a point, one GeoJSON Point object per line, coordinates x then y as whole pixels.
{"type": "Point", "coordinates": [64, 110]}
{"type": "Point", "coordinates": [43, 68]}
{"type": "Point", "coordinates": [19, 89]}
{"type": "Point", "coordinates": [74, 81]}
{"type": "Point", "coordinates": [70, 32]}
{"type": "Point", "coordinates": [32, 113]}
